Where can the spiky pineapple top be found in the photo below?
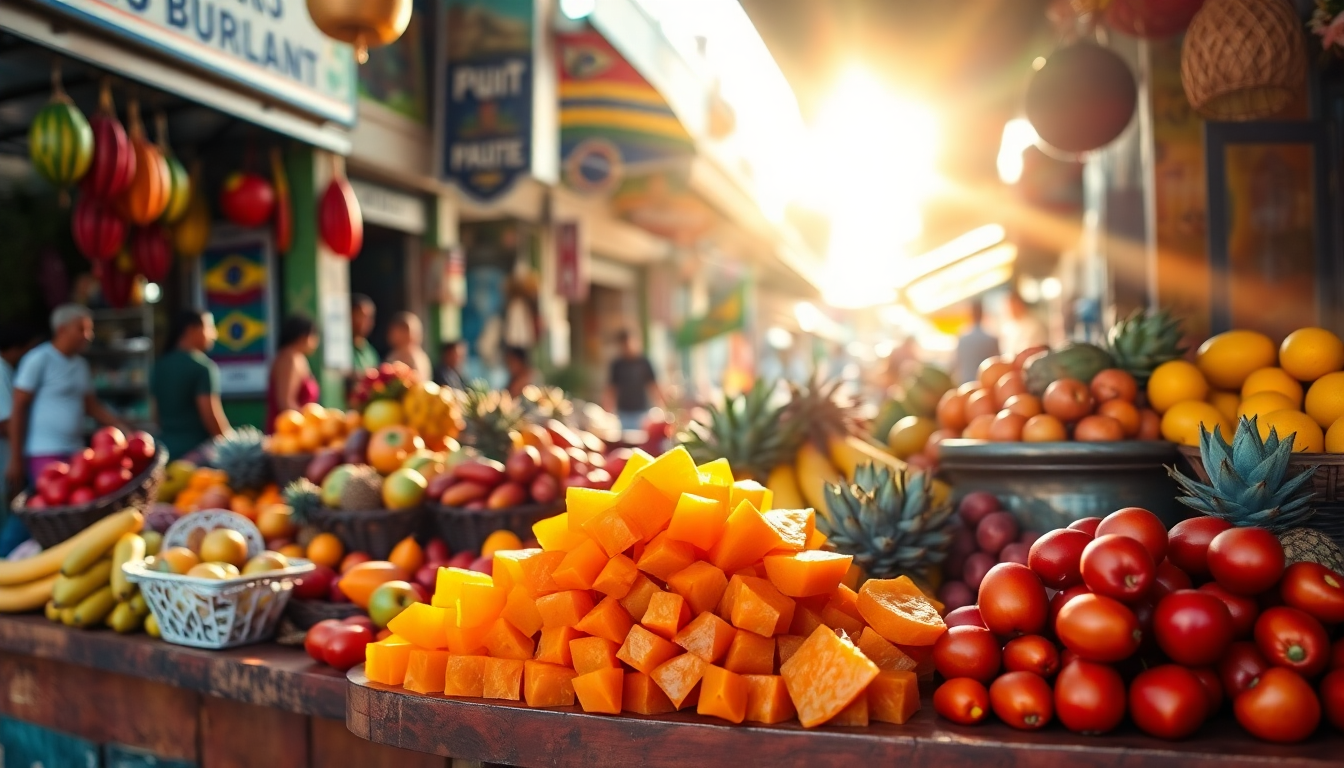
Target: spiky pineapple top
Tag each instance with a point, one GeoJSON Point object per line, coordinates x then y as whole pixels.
{"type": "Point", "coordinates": [490, 415]}
{"type": "Point", "coordinates": [1144, 340]}
{"type": "Point", "coordinates": [303, 497]}
{"type": "Point", "coordinates": [822, 407]}
{"type": "Point", "coordinates": [889, 521]}
{"type": "Point", "coordinates": [241, 454]}
{"type": "Point", "coordinates": [749, 431]}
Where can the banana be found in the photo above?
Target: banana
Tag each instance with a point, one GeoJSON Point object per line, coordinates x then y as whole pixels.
{"type": "Point", "coordinates": [138, 602]}
{"type": "Point", "coordinates": [814, 472]}
{"type": "Point", "coordinates": [153, 542]}
{"type": "Point", "coordinates": [68, 617]}
{"type": "Point", "coordinates": [21, 598]}
{"type": "Point", "coordinates": [96, 540]}
{"type": "Point", "coordinates": [94, 608]}
{"type": "Point", "coordinates": [129, 547]}
{"type": "Point", "coordinates": [152, 626]}
{"type": "Point", "coordinates": [783, 484]}
{"type": "Point", "coordinates": [47, 562]}
{"type": "Point", "coordinates": [71, 590]}
{"type": "Point", "coordinates": [125, 618]}
{"type": "Point", "coordinates": [850, 452]}
{"type": "Point", "coordinates": [53, 613]}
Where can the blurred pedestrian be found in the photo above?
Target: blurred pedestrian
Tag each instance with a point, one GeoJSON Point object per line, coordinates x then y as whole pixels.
{"type": "Point", "coordinates": [292, 384]}
{"type": "Point", "coordinates": [451, 358]}
{"type": "Point", "coordinates": [974, 346]}
{"type": "Point", "coordinates": [362, 315]}
{"type": "Point", "coordinates": [519, 366]}
{"type": "Point", "coordinates": [15, 341]}
{"type": "Point", "coordinates": [405, 335]}
{"type": "Point", "coordinates": [632, 386]}
{"type": "Point", "coordinates": [185, 385]}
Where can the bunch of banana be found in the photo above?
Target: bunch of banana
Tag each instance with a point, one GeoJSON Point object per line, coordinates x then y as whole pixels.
{"type": "Point", "coordinates": [432, 411]}
{"type": "Point", "coordinates": [28, 584]}
{"type": "Point", "coordinates": [803, 483]}
{"type": "Point", "coordinates": [91, 588]}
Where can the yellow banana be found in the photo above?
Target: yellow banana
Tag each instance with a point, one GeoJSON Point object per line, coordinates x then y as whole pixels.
{"type": "Point", "coordinates": [71, 590]}
{"type": "Point", "coordinates": [151, 626]}
{"type": "Point", "coordinates": [48, 562]}
{"type": "Point", "coordinates": [783, 483]}
{"type": "Point", "coordinates": [125, 618]}
{"type": "Point", "coordinates": [92, 543]}
{"type": "Point", "coordinates": [68, 617]}
{"type": "Point", "coordinates": [814, 472]}
{"type": "Point", "coordinates": [21, 598]}
{"type": "Point", "coordinates": [849, 452]}
{"type": "Point", "coordinates": [129, 547]}
{"type": "Point", "coordinates": [53, 613]}
{"type": "Point", "coordinates": [138, 602]}
{"type": "Point", "coordinates": [94, 608]}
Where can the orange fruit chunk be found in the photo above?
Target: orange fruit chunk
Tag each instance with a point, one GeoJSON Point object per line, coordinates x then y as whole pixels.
{"type": "Point", "coordinates": [893, 697]}
{"type": "Point", "coordinates": [768, 699]}
{"type": "Point", "coordinates": [760, 608]}
{"type": "Point", "coordinates": [581, 566]}
{"type": "Point", "coordinates": [673, 473]}
{"type": "Point", "coordinates": [554, 534]}
{"type": "Point", "coordinates": [750, 654]}
{"type": "Point", "coordinates": [853, 716]}
{"type": "Point", "coordinates": [646, 509]}
{"type": "Point", "coordinates": [520, 610]}
{"type": "Point", "coordinates": [608, 620]}
{"type": "Point", "coordinates": [729, 598]}
{"type": "Point", "coordinates": [504, 641]}
{"type": "Point", "coordinates": [815, 540]}
{"type": "Point", "coordinates": [667, 613]}
{"type": "Point", "coordinates": [612, 531]}
{"type": "Point", "coordinates": [707, 636]}
{"type": "Point", "coordinates": [826, 675]}
{"type": "Point", "coordinates": [593, 653]}
{"type": "Point", "coordinates": [637, 462]}
{"type": "Point", "coordinates": [467, 641]}
{"type": "Point", "coordinates": [698, 520]}
{"type": "Point", "coordinates": [616, 577]}
{"type": "Point", "coordinates": [600, 690]}
{"type": "Point", "coordinates": [723, 694]}
{"type": "Point", "coordinates": [583, 504]}
{"type": "Point", "coordinates": [564, 609]}
{"type": "Point", "coordinates": [786, 646]}
{"type": "Point", "coordinates": [665, 556]}
{"type": "Point", "coordinates": [547, 685]}
{"type": "Point", "coordinates": [803, 574]}
{"type": "Point", "coordinates": [636, 601]}
{"type": "Point", "coordinates": [642, 696]}
{"type": "Point", "coordinates": [478, 605]}
{"type": "Point", "coordinates": [644, 650]}
{"type": "Point", "coordinates": [718, 470]}
{"type": "Point", "coordinates": [423, 626]}
{"type": "Point", "coordinates": [701, 584]}
{"type": "Point", "coordinates": [749, 490]}
{"type": "Point", "coordinates": [385, 662]}
{"type": "Point", "coordinates": [897, 615]}
{"type": "Point", "coordinates": [679, 676]}
{"type": "Point", "coordinates": [502, 679]}
{"type": "Point", "coordinates": [465, 676]}
{"type": "Point", "coordinates": [842, 611]}
{"type": "Point", "coordinates": [535, 569]}
{"type": "Point", "coordinates": [793, 526]}
{"type": "Point", "coordinates": [424, 671]}
{"type": "Point", "coordinates": [882, 653]}
{"type": "Point", "coordinates": [805, 620]}
{"type": "Point", "coordinates": [553, 648]}
{"type": "Point", "coordinates": [749, 535]}
{"type": "Point", "coordinates": [448, 585]}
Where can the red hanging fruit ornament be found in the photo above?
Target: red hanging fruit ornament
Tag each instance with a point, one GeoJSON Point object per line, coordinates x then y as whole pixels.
{"type": "Point", "coordinates": [147, 197]}
{"type": "Point", "coordinates": [1152, 19]}
{"type": "Point", "coordinates": [247, 199]}
{"type": "Point", "coordinates": [152, 252]}
{"type": "Point", "coordinates": [113, 165]}
{"type": "Point", "coordinates": [1082, 98]}
{"type": "Point", "coordinates": [117, 279]}
{"type": "Point", "coordinates": [98, 231]}
{"type": "Point", "coordinates": [339, 221]}
{"type": "Point", "coordinates": [284, 211]}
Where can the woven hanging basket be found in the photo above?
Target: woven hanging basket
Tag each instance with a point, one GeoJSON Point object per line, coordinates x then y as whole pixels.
{"type": "Point", "coordinates": [1243, 59]}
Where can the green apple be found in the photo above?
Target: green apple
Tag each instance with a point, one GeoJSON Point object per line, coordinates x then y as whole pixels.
{"type": "Point", "coordinates": [389, 600]}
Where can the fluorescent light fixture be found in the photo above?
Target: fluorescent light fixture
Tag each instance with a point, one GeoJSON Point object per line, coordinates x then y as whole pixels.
{"type": "Point", "coordinates": [953, 251]}
{"type": "Point", "coordinates": [577, 9]}
{"type": "Point", "coordinates": [964, 279]}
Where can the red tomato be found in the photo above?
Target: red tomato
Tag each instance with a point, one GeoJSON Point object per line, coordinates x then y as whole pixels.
{"type": "Point", "coordinates": [1022, 700]}
{"type": "Point", "coordinates": [1168, 702]}
{"type": "Point", "coordinates": [1280, 707]}
{"type": "Point", "coordinates": [967, 652]}
{"type": "Point", "coordinates": [1089, 698]}
{"type": "Point", "coordinates": [1056, 557]}
{"type": "Point", "coordinates": [1213, 687]}
{"type": "Point", "coordinates": [1243, 609]}
{"type": "Point", "coordinates": [1241, 664]}
{"type": "Point", "coordinates": [1315, 589]}
{"type": "Point", "coordinates": [315, 642]}
{"type": "Point", "coordinates": [962, 700]}
{"type": "Point", "coordinates": [1118, 566]}
{"type": "Point", "coordinates": [1246, 561]}
{"type": "Point", "coordinates": [1138, 524]}
{"type": "Point", "coordinates": [966, 615]}
{"type": "Point", "coordinates": [1012, 601]}
{"type": "Point", "coordinates": [1167, 579]}
{"type": "Point", "coordinates": [1188, 544]}
{"type": "Point", "coordinates": [1290, 638]}
{"type": "Point", "coordinates": [1098, 628]}
{"type": "Point", "coordinates": [1087, 525]}
{"type": "Point", "coordinates": [345, 647]}
{"type": "Point", "coordinates": [1062, 597]}
{"type": "Point", "coordinates": [1031, 653]}
{"type": "Point", "coordinates": [1332, 698]}
{"type": "Point", "coordinates": [1192, 627]}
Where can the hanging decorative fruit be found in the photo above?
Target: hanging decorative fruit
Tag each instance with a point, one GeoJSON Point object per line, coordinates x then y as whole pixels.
{"type": "Point", "coordinates": [339, 221]}
{"type": "Point", "coordinates": [60, 141]}
{"type": "Point", "coordinates": [247, 199]}
{"type": "Point", "coordinates": [1151, 19]}
{"type": "Point", "coordinates": [179, 186]}
{"type": "Point", "coordinates": [98, 231]}
{"type": "Point", "coordinates": [362, 23]}
{"type": "Point", "coordinates": [152, 252]}
{"type": "Point", "coordinates": [147, 196]}
{"type": "Point", "coordinates": [192, 233]}
{"type": "Point", "coordinates": [1082, 98]}
{"type": "Point", "coordinates": [113, 165]}
{"type": "Point", "coordinates": [284, 212]}
{"type": "Point", "coordinates": [117, 278]}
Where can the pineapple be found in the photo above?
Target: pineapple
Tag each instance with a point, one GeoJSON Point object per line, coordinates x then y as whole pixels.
{"type": "Point", "coordinates": [889, 521]}
{"type": "Point", "coordinates": [753, 435]}
{"type": "Point", "coordinates": [241, 455]}
{"type": "Point", "coordinates": [822, 410]}
{"type": "Point", "coordinates": [1249, 486]}
{"type": "Point", "coordinates": [303, 497]}
{"type": "Point", "coordinates": [490, 418]}
{"type": "Point", "coordinates": [363, 490]}
{"type": "Point", "coordinates": [1145, 340]}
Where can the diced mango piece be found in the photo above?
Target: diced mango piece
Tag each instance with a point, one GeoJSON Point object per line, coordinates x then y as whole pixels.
{"type": "Point", "coordinates": [505, 641]}
{"type": "Point", "coordinates": [641, 695]}
{"type": "Point", "coordinates": [803, 574]}
{"type": "Point", "coordinates": [748, 536]}
{"type": "Point", "coordinates": [882, 653]}
{"type": "Point", "coordinates": [645, 508]}
{"type": "Point", "coordinates": [583, 504]}
{"type": "Point", "coordinates": [644, 650]}
{"type": "Point", "coordinates": [547, 685]}
{"type": "Point", "coordinates": [478, 605]}
{"type": "Point", "coordinates": [768, 699]}
{"type": "Point", "coordinates": [505, 568]}
{"type": "Point", "coordinates": [581, 566]}
{"type": "Point", "coordinates": [666, 556]}
{"type": "Point", "coordinates": [467, 641]}
{"type": "Point", "coordinates": [707, 636]}
{"type": "Point", "coordinates": [761, 498]}
{"type": "Point", "coordinates": [897, 615]}
{"type": "Point", "coordinates": [893, 697]}
{"type": "Point", "coordinates": [760, 608]}
{"type": "Point", "coordinates": [564, 609]}
{"type": "Point", "coordinates": [553, 648]}
{"type": "Point", "coordinates": [607, 620]}
{"type": "Point", "coordinates": [698, 520]}
{"type": "Point", "coordinates": [806, 620]}
{"type": "Point", "coordinates": [554, 534]}
{"type": "Point", "coordinates": [816, 540]}
{"type": "Point", "coordinates": [786, 646]}
{"type": "Point", "coordinates": [825, 675]}
{"type": "Point", "coordinates": [639, 459]}
{"type": "Point", "coordinates": [842, 612]}
{"type": "Point", "coordinates": [729, 598]}
{"type": "Point", "coordinates": [424, 671]}
{"type": "Point", "coordinates": [723, 694]}
{"type": "Point", "coordinates": [520, 610]}
{"type": "Point", "coordinates": [538, 572]}
{"type": "Point", "coordinates": [719, 470]}
{"type": "Point", "coordinates": [600, 690]}
{"type": "Point", "coordinates": [679, 676]}
{"type": "Point", "coordinates": [853, 716]}
{"type": "Point", "coordinates": [616, 577]}
{"type": "Point", "coordinates": [636, 601]}
{"type": "Point", "coordinates": [673, 473]}
{"type": "Point", "coordinates": [448, 586]}
{"type": "Point", "coordinates": [423, 626]}
{"type": "Point", "coordinates": [590, 653]}
{"type": "Point", "coordinates": [465, 676]}
{"type": "Point", "coordinates": [792, 526]}
{"type": "Point", "coordinates": [502, 679]}
{"type": "Point", "coordinates": [612, 531]}
{"type": "Point", "coordinates": [666, 615]}
{"type": "Point", "coordinates": [853, 576]}
{"type": "Point", "coordinates": [385, 662]}
{"type": "Point", "coordinates": [750, 654]}
{"type": "Point", "coordinates": [701, 584]}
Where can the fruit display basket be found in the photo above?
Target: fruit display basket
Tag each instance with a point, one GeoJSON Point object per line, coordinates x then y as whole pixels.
{"type": "Point", "coordinates": [466, 529]}
{"type": "Point", "coordinates": [306, 613]}
{"type": "Point", "coordinates": [288, 467]}
{"type": "Point", "coordinates": [215, 614]}
{"type": "Point", "coordinates": [50, 526]}
{"type": "Point", "coordinates": [1049, 485]}
{"type": "Point", "coordinates": [375, 531]}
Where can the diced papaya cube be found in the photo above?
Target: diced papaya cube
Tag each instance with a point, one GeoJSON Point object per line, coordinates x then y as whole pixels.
{"type": "Point", "coordinates": [749, 535]}
{"type": "Point", "coordinates": [794, 526]}
{"type": "Point", "coordinates": [761, 498]}
{"type": "Point", "coordinates": [607, 620]}
{"type": "Point", "coordinates": [385, 662]}
{"type": "Point", "coordinates": [842, 612]}
{"type": "Point", "coordinates": [506, 567]}
{"type": "Point", "coordinates": [853, 576]}
{"type": "Point", "coordinates": [505, 641]}
{"type": "Point", "coordinates": [424, 671]}
{"type": "Point", "coordinates": [701, 584]}
{"type": "Point", "coordinates": [882, 653]}
{"type": "Point", "coordinates": [893, 697]}
{"type": "Point", "coordinates": [465, 676]}
{"type": "Point", "coordinates": [547, 685]}
{"type": "Point", "coordinates": [590, 653]}
{"type": "Point", "coordinates": [503, 679]}
{"type": "Point", "coordinates": [423, 626]}
{"type": "Point", "coordinates": [768, 699]}
{"type": "Point", "coordinates": [665, 556]}
{"type": "Point", "coordinates": [616, 577]}
{"type": "Point", "coordinates": [520, 610]}
{"type": "Point", "coordinates": [786, 646]}
{"type": "Point", "coordinates": [710, 488]}
{"type": "Point", "coordinates": [816, 540]}
{"type": "Point", "coordinates": [553, 648]}
{"type": "Point", "coordinates": [643, 696]}
{"type": "Point", "coordinates": [698, 520]}
{"type": "Point", "coordinates": [805, 620]}
{"type": "Point", "coordinates": [756, 570]}
{"type": "Point", "coordinates": [645, 508]}
{"type": "Point", "coordinates": [612, 531]}
{"type": "Point", "coordinates": [466, 641]}
{"type": "Point", "coordinates": [673, 473]}
{"type": "Point", "coordinates": [853, 716]}
{"type": "Point", "coordinates": [564, 609]}
{"type": "Point", "coordinates": [554, 534]}
{"type": "Point", "coordinates": [760, 608]}
{"type": "Point", "coordinates": [729, 598]}
{"type": "Point", "coordinates": [600, 690]}
{"type": "Point", "coordinates": [679, 676]}
{"type": "Point", "coordinates": [899, 616]}
{"type": "Point", "coordinates": [667, 614]}
{"type": "Point", "coordinates": [750, 654]}
{"type": "Point", "coordinates": [538, 572]}
{"type": "Point", "coordinates": [448, 586]}
{"type": "Point", "coordinates": [707, 636]}
{"type": "Point", "coordinates": [723, 694]}
{"type": "Point", "coordinates": [644, 650]}
{"type": "Point", "coordinates": [636, 601]}
{"type": "Point", "coordinates": [480, 604]}
{"type": "Point", "coordinates": [583, 504]}
{"type": "Point", "coordinates": [923, 658]}
{"type": "Point", "coordinates": [639, 459]}
{"type": "Point", "coordinates": [581, 566]}
{"type": "Point", "coordinates": [803, 574]}
{"type": "Point", "coordinates": [825, 675]}
{"type": "Point", "coordinates": [719, 470]}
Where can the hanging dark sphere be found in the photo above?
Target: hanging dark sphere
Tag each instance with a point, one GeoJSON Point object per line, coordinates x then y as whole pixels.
{"type": "Point", "coordinates": [1082, 98]}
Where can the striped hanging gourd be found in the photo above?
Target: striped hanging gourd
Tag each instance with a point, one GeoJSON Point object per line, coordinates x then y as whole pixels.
{"type": "Point", "coordinates": [60, 141]}
{"type": "Point", "coordinates": [98, 230]}
{"type": "Point", "coordinates": [147, 197]}
{"type": "Point", "coordinates": [152, 252]}
{"type": "Point", "coordinates": [179, 188]}
{"type": "Point", "coordinates": [113, 165]}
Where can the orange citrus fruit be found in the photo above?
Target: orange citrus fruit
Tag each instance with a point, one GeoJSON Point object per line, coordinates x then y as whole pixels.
{"type": "Point", "coordinates": [1325, 399]}
{"type": "Point", "coordinates": [1310, 353]}
{"type": "Point", "coordinates": [1228, 358]}
{"type": "Point", "coordinates": [383, 413]}
{"type": "Point", "coordinates": [310, 437]}
{"type": "Point", "coordinates": [1175, 382]}
{"type": "Point", "coordinates": [326, 549]}
{"type": "Point", "coordinates": [1262, 403]}
{"type": "Point", "coordinates": [500, 540]}
{"type": "Point", "coordinates": [1225, 402]}
{"type": "Point", "coordinates": [1273, 380]}
{"type": "Point", "coordinates": [1181, 423]}
{"type": "Point", "coordinates": [1307, 435]}
{"type": "Point", "coordinates": [288, 423]}
{"type": "Point", "coordinates": [313, 413]}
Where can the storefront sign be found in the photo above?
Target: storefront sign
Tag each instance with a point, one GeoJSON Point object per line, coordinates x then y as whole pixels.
{"type": "Point", "coordinates": [268, 45]}
{"type": "Point", "coordinates": [390, 208]}
{"type": "Point", "coordinates": [234, 285]}
{"type": "Point", "coordinates": [571, 273]}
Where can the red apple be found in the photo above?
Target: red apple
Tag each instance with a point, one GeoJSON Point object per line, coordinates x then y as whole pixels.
{"type": "Point", "coordinates": [140, 450]}
{"type": "Point", "coordinates": [427, 576]}
{"type": "Point", "coordinates": [358, 620]}
{"type": "Point", "coordinates": [109, 447]}
{"type": "Point", "coordinates": [81, 468]}
{"type": "Point", "coordinates": [436, 551]}
{"type": "Point", "coordinates": [334, 593]}
{"type": "Point", "coordinates": [56, 491]}
{"type": "Point", "coordinates": [462, 560]}
{"type": "Point", "coordinates": [315, 585]}
{"type": "Point", "coordinates": [35, 502]}
{"type": "Point", "coordinates": [81, 496]}
{"type": "Point", "coordinates": [423, 592]}
{"type": "Point", "coordinates": [56, 469]}
{"type": "Point", "coordinates": [110, 480]}
{"type": "Point", "coordinates": [482, 565]}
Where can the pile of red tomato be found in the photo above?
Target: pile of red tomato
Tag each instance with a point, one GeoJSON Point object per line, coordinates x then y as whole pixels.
{"type": "Point", "coordinates": [1128, 619]}
{"type": "Point", "coordinates": [110, 463]}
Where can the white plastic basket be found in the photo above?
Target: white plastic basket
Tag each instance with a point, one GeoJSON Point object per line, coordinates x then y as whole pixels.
{"type": "Point", "coordinates": [209, 613]}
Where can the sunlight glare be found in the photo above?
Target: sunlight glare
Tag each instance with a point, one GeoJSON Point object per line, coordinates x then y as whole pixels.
{"type": "Point", "coordinates": [1018, 136]}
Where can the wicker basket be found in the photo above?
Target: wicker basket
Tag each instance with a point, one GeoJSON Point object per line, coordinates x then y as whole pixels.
{"type": "Point", "coordinates": [306, 613]}
{"type": "Point", "coordinates": [375, 531]}
{"type": "Point", "coordinates": [288, 468]}
{"type": "Point", "coordinates": [50, 526]}
{"type": "Point", "coordinates": [208, 613]}
{"type": "Point", "coordinates": [467, 529]}
{"type": "Point", "coordinates": [1244, 59]}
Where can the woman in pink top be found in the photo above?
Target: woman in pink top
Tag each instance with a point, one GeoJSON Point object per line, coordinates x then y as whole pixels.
{"type": "Point", "coordinates": [292, 384]}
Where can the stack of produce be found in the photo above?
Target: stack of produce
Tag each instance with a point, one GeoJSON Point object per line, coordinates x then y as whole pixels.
{"type": "Point", "coordinates": [905, 420]}
{"type": "Point", "coordinates": [107, 466]}
{"type": "Point", "coordinates": [189, 488]}
{"type": "Point", "coordinates": [30, 583]}
{"type": "Point", "coordinates": [527, 477]}
{"type": "Point", "coordinates": [387, 382]}
{"type": "Point", "coordinates": [985, 535]}
{"type": "Point", "coordinates": [678, 588]}
{"type": "Point", "coordinates": [310, 428]}
{"type": "Point", "coordinates": [92, 587]}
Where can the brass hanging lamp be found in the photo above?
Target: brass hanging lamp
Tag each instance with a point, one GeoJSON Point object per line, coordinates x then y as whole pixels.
{"type": "Point", "coordinates": [364, 24]}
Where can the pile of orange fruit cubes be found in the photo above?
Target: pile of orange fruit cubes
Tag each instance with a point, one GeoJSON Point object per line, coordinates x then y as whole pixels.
{"type": "Point", "coordinates": [678, 588]}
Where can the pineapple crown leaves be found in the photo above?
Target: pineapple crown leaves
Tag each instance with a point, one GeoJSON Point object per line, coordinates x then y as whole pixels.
{"type": "Point", "coordinates": [302, 496]}
{"type": "Point", "coordinates": [887, 520]}
{"type": "Point", "coordinates": [748, 430]}
{"type": "Point", "coordinates": [822, 407]}
{"type": "Point", "coordinates": [1248, 480]}
{"type": "Point", "coordinates": [1146, 339]}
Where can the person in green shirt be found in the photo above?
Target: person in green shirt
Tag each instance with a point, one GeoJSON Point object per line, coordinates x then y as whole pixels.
{"type": "Point", "coordinates": [185, 385]}
{"type": "Point", "coordinates": [362, 312]}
